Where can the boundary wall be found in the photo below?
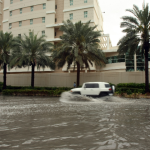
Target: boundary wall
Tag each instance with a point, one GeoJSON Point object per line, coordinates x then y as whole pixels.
{"type": "Point", "coordinates": [67, 79]}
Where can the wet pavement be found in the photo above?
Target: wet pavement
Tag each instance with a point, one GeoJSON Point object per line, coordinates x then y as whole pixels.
{"type": "Point", "coordinates": [42, 123]}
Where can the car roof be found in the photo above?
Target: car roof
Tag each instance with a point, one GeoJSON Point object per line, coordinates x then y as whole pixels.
{"type": "Point", "coordinates": [98, 82]}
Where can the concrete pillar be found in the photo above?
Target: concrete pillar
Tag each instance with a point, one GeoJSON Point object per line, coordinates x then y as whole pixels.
{"type": "Point", "coordinates": [135, 63]}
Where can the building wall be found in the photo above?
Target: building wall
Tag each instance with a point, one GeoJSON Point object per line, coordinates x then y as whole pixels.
{"type": "Point", "coordinates": [52, 15]}
{"type": "Point", "coordinates": [1, 14]}
{"type": "Point", "coordinates": [55, 13]}
{"type": "Point", "coordinates": [37, 14]}
{"type": "Point", "coordinates": [67, 79]}
{"type": "Point", "coordinates": [59, 11]}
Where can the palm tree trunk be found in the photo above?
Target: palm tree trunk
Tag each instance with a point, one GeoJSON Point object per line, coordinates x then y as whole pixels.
{"type": "Point", "coordinates": [146, 70]}
{"type": "Point", "coordinates": [78, 74]}
{"type": "Point", "coordinates": [32, 76]}
{"type": "Point", "coordinates": [4, 75]}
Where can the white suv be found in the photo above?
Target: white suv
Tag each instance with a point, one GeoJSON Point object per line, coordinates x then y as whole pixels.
{"type": "Point", "coordinates": [93, 89]}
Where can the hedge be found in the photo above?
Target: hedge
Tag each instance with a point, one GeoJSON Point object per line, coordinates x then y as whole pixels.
{"type": "Point", "coordinates": [130, 88]}
{"type": "Point", "coordinates": [37, 88]}
{"type": "Point", "coordinates": [54, 91]}
{"type": "Point", "coordinates": [131, 85]}
{"type": "Point", "coordinates": [32, 92]}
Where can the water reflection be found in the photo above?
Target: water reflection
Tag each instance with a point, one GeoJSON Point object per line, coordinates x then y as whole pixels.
{"type": "Point", "coordinates": [49, 124]}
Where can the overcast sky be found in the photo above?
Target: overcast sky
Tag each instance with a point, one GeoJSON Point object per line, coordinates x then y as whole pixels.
{"type": "Point", "coordinates": [114, 10]}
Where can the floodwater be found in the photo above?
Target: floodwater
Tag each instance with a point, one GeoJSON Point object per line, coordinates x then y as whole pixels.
{"type": "Point", "coordinates": [74, 123]}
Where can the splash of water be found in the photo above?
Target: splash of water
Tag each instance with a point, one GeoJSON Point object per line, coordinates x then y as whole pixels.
{"type": "Point", "coordinates": [68, 97]}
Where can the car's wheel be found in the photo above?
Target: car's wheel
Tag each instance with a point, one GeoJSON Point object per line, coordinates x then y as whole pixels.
{"type": "Point", "coordinates": [103, 94]}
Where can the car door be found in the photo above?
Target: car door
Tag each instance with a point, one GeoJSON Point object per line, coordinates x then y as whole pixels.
{"type": "Point", "coordinates": [91, 89]}
{"type": "Point", "coordinates": [96, 89]}
{"type": "Point", "coordinates": [86, 89]}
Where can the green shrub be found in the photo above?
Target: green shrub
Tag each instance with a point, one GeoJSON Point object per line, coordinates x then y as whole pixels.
{"type": "Point", "coordinates": [111, 84]}
{"type": "Point", "coordinates": [133, 90]}
{"type": "Point", "coordinates": [129, 92]}
{"type": "Point", "coordinates": [38, 88]}
{"type": "Point", "coordinates": [132, 85]}
{"type": "Point", "coordinates": [32, 92]}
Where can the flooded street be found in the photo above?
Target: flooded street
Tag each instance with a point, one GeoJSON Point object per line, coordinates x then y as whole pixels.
{"type": "Point", "coordinates": [42, 123]}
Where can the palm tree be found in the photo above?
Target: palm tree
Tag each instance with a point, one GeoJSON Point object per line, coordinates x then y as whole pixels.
{"type": "Point", "coordinates": [31, 51]}
{"type": "Point", "coordinates": [6, 43]}
{"type": "Point", "coordinates": [79, 46]}
{"type": "Point", "coordinates": [136, 40]}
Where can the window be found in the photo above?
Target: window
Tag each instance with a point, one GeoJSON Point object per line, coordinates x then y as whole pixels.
{"type": "Point", "coordinates": [11, 1]}
{"type": "Point", "coordinates": [71, 16]}
{"type": "Point", "coordinates": [55, 6]}
{"type": "Point", "coordinates": [55, 33]}
{"type": "Point", "coordinates": [43, 19]}
{"type": "Point", "coordinates": [85, 14]}
{"type": "Point", "coordinates": [129, 62]}
{"type": "Point", "coordinates": [71, 2]}
{"type": "Point", "coordinates": [92, 85]}
{"type": "Point", "coordinates": [140, 62]}
{"type": "Point", "coordinates": [85, 1]}
{"type": "Point", "coordinates": [19, 35]}
{"type": "Point", "coordinates": [20, 10]}
{"type": "Point", "coordinates": [20, 23]}
{"type": "Point", "coordinates": [32, 8]}
{"type": "Point", "coordinates": [44, 6]}
{"type": "Point", "coordinates": [10, 26]}
{"type": "Point", "coordinates": [21, 0]}
{"type": "Point", "coordinates": [55, 19]}
{"type": "Point", "coordinates": [115, 59]}
{"type": "Point", "coordinates": [10, 13]}
{"type": "Point", "coordinates": [43, 33]}
{"type": "Point", "coordinates": [107, 86]}
{"type": "Point", "coordinates": [31, 21]}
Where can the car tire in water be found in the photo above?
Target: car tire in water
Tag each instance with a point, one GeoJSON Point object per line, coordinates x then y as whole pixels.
{"type": "Point", "coordinates": [76, 93]}
{"type": "Point", "coordinates": [103, 94]}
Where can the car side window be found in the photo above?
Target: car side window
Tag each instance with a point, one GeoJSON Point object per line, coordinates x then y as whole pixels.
{"type": "Point", "coordinates": [91, 85]}
{"type": "Point", "coordinates": [107, 86]}
{"type": "Point", "coordinates": [95, 85]}
{"type": "Point", "coordinates": [88, 85]}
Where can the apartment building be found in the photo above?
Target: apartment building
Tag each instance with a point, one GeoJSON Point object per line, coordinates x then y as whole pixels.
{"type": "Point", "coordinates": [46, 16]}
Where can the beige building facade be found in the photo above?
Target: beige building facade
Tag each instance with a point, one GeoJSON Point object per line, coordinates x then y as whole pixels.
{"type": "Point", "coordinates": [1, 14]}
{"type": "Point", "coordinates": [46, 16]}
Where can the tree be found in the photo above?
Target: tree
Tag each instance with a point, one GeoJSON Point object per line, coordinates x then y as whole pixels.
{"type": "Point", "coordinates": [79, 46]}
{"type": "Point", "coordinates": [136, 40]}
{"type": "Point", "coordinates": [31, 51]}
{"type": "Point", "coordinates": [6, 43]}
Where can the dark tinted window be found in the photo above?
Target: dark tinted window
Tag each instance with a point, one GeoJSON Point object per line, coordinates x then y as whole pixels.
{"type": "Point", "coordinates": [107, 85]}
{"type": "Point", "coordinates": [92, 85]}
